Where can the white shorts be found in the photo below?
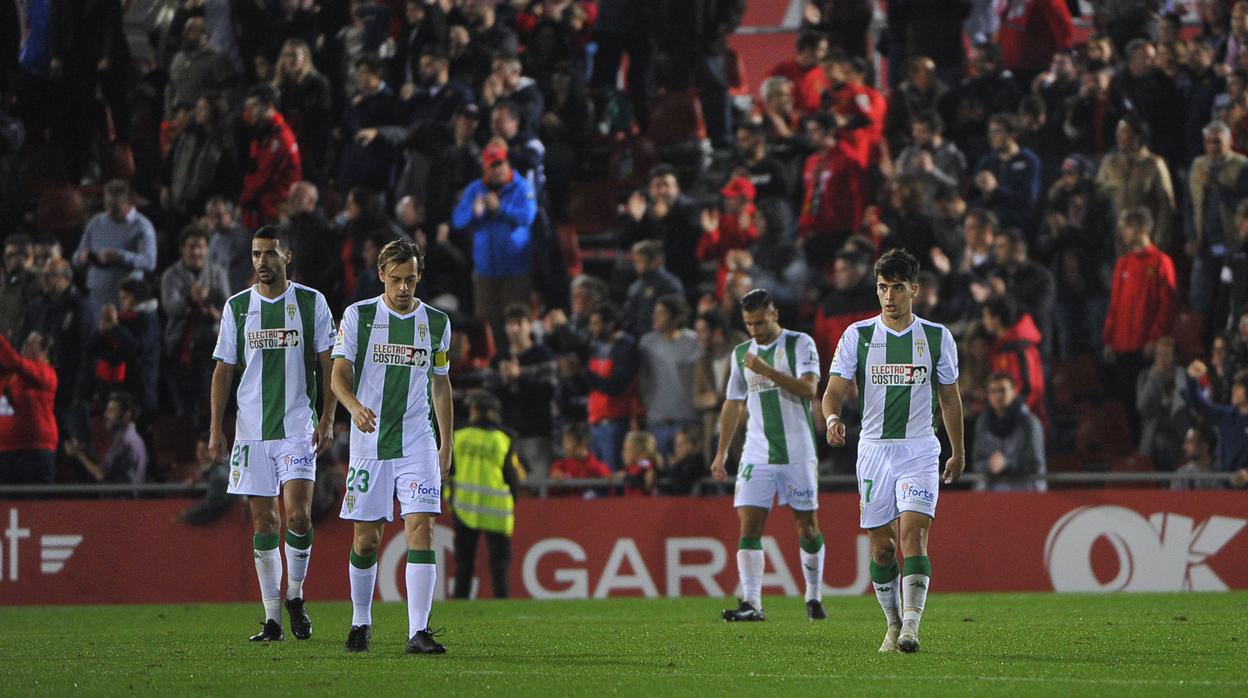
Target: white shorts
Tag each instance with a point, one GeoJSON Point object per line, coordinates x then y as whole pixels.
{"type": "Point", "coordinates": [260, 468]}
{"type": "Point", "coordinates": [373, 485]}
{"type": "Point", "coordinates": [796, 484]}
{"type": "Point", "coordinates": [897, 476]}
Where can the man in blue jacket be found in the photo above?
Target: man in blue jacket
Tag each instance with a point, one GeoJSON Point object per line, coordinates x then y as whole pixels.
{"type": "Point", "coordinates": [1231, 420]}
{"type": "Point", "coordinates": [499, 209]}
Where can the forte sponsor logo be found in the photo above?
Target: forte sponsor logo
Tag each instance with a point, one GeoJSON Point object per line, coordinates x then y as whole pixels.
{"type": "Point", "coordinates": [911, 492]}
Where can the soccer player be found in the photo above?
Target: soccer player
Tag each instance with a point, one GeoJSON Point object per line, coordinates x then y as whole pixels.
{"type": "Point", "coordinates": [902, 366]}
{"type": "Point", "coordinates": [391, 373]}
{"type": "Point", "coordinates": [774, 377]}
{"type": "Point", "coordinates": [279, 333]}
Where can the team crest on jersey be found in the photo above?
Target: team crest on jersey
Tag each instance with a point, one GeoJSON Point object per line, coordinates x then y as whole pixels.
{"type": "Point", "coordinates": [272, 339]}
{"type": "Point", "coordinates": [234, 477]}
{"type": "Point", "coordinates": [350, 502]}
{"type": "Point", "coordinates": [290, 310]}
{"type": "Point", "coordinates": [920, 346]}
{"type": "Point", "coordinates": [400, 355]}
{"type": "Point", "coordinates": [422, 329]}
{"type": "Point", "coordinates": [898, 374]}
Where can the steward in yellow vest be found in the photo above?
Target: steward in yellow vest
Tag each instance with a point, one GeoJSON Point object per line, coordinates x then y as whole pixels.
{"type": "Point", "coordinates": [484, 475]}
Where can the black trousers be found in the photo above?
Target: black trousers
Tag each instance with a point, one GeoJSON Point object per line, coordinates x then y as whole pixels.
{"type": "Point", "coordinates": [498, 547]}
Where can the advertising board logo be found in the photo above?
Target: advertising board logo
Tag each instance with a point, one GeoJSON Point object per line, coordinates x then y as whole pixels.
{"type": "Point", "coordinates": [54, 549]}
{"type": "Point", "coordinates": [1164, 552]}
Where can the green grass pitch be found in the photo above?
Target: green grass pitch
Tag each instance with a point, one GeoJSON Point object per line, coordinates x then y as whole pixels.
{"type": "Point", "coordinates": [991, 644]}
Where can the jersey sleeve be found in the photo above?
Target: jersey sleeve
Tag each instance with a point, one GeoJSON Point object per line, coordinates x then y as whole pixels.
{"type": "Point", "coordinates": [947, 366]}
{"type": "Point", "coordinates": [226, 350]}
{"type": "Point", "coordinates": [441, 365]}
{"type": "Point", "coordinates": [845, 358]}
{"type": "Point", "coordinates": [345, 344]}
{"type": "Point", "coordinates": [325, 339]}
{"type": "Point", "coordinates": [807, 356]}
{"type": "Point", "coordinates": [738, 389]}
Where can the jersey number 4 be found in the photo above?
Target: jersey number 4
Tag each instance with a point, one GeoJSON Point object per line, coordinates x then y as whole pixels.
{"type": "Point", "coordinates": [747, 473]}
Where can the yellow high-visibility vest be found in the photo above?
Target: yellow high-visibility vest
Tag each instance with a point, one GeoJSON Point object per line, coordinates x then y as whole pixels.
{"type": "Point", "coordinates": [479, 493]}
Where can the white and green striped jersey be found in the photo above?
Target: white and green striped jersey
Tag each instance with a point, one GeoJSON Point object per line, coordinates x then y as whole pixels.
{"type": "Point", "coordinates": [779, 429]}
{"type": "Point", "coordinates": [395, 357]}
{"type": "Point", "coordinates": [894, 372]}
{"type": "Point", "coordinates": [276, 343]}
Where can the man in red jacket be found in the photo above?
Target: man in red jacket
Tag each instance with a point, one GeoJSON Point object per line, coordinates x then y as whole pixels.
{"type": "Point", "coordinates": [1016, 351]}
{"type": "Point", "coordinates": [1031, 32]}
{"type": "Point", "coordinates": [27, 413]}
{"type": "Point", "coordinates": [835, 193]}
{"type": "Point", "coordinates": [805, 71]}
{"type": "Point", "coordinates": [858, 108]}
{"type": "Point", "coordinates": [1141, 303]}
{"type": "Point", "coordinates": [274, 156]}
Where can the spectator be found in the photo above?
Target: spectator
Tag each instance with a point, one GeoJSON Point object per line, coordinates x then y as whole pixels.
{"type": "Point", "coordinates": [1009, 440]}
{"type": "Point", "coordinates": [1152, 96]}
{"type": "Point", "coordinates": [641, 461]}
{"type": "Point", "coordinates": [200, 163]}
{"type": "Point", "coordinates": [524, 151]}
{"type": "Point", "coordinates": [1030, 285]}
{"type": "Point", "coordinates": [1008, 180]}
{"type": "Point", "coordinates": [694, 34]}
{"type": "Point", "coordinates": [229, 244]}
{"type": "Point", "coordinates": [126, 459]}
{"type": "Point", "coordinates": [968, 280]}
{"type": "Point", "coordinates": [653, 281]}
{"type": "Point", "coordinates": [1231, 420]}
{"type": "Point", "coordinates": [988, 89]}
{"type": "Point", "coordinates": [778, 109]}
{"type": "Point", "coordinates": [306, 102]}
{"type": "Point", "coordinates": [275, 158]}
{"type": "Point", "coordinates": [851, 298]}
{"type": "Point", "coordinates": [193, 293]}
{"type": "Point", "coordinates": [919, 94]}
{"type": "Point", "coordinates": [687, 465]}
{"type": "Point", "coordinates": [845, 22]}
{"type": "Point", "coordinates": [1141, 303]}
{"type": "Point", "coordinates": [508, 83]}
{"type": "Point", "coordinates": [19, 284]}
{"type": "Point", "coordinates": [457, 163]}
{"type": "Point", "coordinates": [45, 249]}
{"type": "Point", "coordinates": [314, 245]}
{"type": "Point", "coordinates": [366, 162]}
{"type": "Point", "coordinates": [60, 315]}
{"type": "Point", "coordinates": [668, 354]}
{"type": "Point", "coordinates": [667, 216]}
{"type": "Point", "coordinates": [1133, 176]}
{"type": "Point", "coordinates": [489, 36]}
{"type": "Point", "coordinates": [924, 29]}
{"type": "Point", "coordinates": [763, 170]}
{"type": "Point", "coordinates": [1126, 20]}
{"type": "Point", "coordinates": [805, 71]}
{"type": "Point", "coordinates": [527, 378]}
{"type": "Point", "coordinates": [215, 475]}
{"type": "Point", "coordinates": [1199, 447]}
{"type": "Point", "coordinates": [116, 245]}
{"type": "Point", "coordinates": [621, 29]}
{"type": "Point", "coordinates": [1015, 351]}
{"type": "Point", "coordinates": [1162, 405]}
{"type": "Point", "coordinates": [612, 378]}
{"type": "Point", "coordinates": [835, 193]}
{"type": "Point", "coordinates": [498, 210]}
{"type": "Point", "coordinates": [1032, 31]}
{"type": "Point", "coordinates": [1232, 295]}
{"type": "Point", "coordinates": [198, 69]}
{"type": "Point", "coordinates": [28, 428]}
{"type": "Point", "coordinates": [1057, 86]}
{"type": "Point", "coordinates": [1042, 136]}
{"type": "Point", "coordinates": [938, 163]}
{"type": "Point", "coordinates": [905, 222]}
{"type": "Point", "coordinates": [1219, 182]}
{"type": "Point", "coordinates": [1093, 114]}
{"type": "Point", "coordinates": [577, 462]}
{"type": "Point", "coordinates": [125, 350]}
{"type": "Point", "coordinates": [710, 379]}
{"type": "Point", "coordinates": [730, 232]}
{"type": "Point", "coordinates": [1204, 88]}
{"type": "Point", "coordinates": [858, 108]}
{"type": "Point", "coordinates": [976, 368]}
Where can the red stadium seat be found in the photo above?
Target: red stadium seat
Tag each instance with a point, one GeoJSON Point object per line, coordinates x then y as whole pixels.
{"type": "Point", "coordinates": [1189, 335]}
{"type": "Point", "coordinates": [590, 207]}
{"type": "Point", "coordinates": [116, 161]}
{"type": "Point", "coordinates": [1075, 380]}
{"type": "Point", "coordinates": [676, 117]}
{"type": "Point", "coordinates": [42, 167]}
{"type": "Point", "coordinates": [59, 213]}
{"type": "Point", "coordinates": [1103, 434]}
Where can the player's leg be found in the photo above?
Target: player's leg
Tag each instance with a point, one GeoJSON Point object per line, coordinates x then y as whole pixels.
{"type": "Point", "coordinates": [266, 521]}
{"type": "Point", "coordinates": [362, 571]}
{"type": "Point", "coordinates": [422, 577]}
{"type": "Point", "coordinates": [750, 563]}
{"type": "Point", "coordinates": [916, 576]}
{"type": "Point", "coordinates": [466, 539]}
{"type": "Point", "coordinates": [878, 514]}
{"type": "Point", "coordinates": [885, 579]}
{"type": "Point", "coordinates": [797, 486]}
{"type": "Point", "coordinates": [297, 499]}
{"type": "Point", "coordinates": [499, 547]}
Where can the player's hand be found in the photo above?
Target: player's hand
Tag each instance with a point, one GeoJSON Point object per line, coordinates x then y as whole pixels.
{"type": "Point", "coordinates": [836, 433]}
{"type": "Point", "coordinates": [718, 471]}
{"type": "Point", "coordinates": [1197, 369]}
{"type": "Point", "coordinates": [954, 467]}
{"type": "Point", "coordinates": [364, 419]}
{"type": "Point", "coordinates": [444, 459]}
{"type": "Point", "coordinates": [216, 445]}
{"type": "Point", "coordinates": [323, 436]}
{"type": "Point", "coordinates": [1239, 478]}
{"type": "Point", "coordinates": [756, 364]}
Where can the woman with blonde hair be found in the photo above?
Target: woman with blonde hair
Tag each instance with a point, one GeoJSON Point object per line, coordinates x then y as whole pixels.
{"type": "Point", "coordinates": [305, 99]}
{"type": "Point", "coordinates": [641, 459]}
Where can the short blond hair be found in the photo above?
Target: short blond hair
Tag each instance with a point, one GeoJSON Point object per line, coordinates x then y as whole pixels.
{"type": "Point", "coordinates": [400, 251]}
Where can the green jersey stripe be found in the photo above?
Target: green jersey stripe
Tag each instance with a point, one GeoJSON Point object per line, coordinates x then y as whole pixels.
{"type": "Point", "coordinates": [773, 420]}
{"type": "Point", "coordinates": [865, 336]}
{"type": "Point", "coordinates": [934, 343]}
{"type": "Point", "coordinates": [897, 350]}
{"type": "Point", "coordinates": [363, 333]}
{"type": "Point", "coordinates": [394, 393]}
{"type": "Point", "coordinates": [273, 376]}
{"type": "Point", "coordinates": [790, 350]}
{"type": "Point", "coordinates": [239, 305]}
{"type": "Point", "coordinates": [306, 300]}
{"type": "Point", "coordinates": [438, 322]}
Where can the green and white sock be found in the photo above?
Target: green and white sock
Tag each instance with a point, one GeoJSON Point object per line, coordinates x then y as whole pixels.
{"type": "Point", "coordinates": [916, 578]}
{"type": "Point", "coordinates": [363, 574]}
{"type": "Point", "coordinates": [887, 590]}
{"type": "Point", "coordinates": [422, 576]}
{"type": "Point", "coordinates": [269, 572]}
{"type": "Point", "coordinates": [750, 563]}
{"type": "Point", "coordinates": [812, 567]}
{"type": "Point", "coordinates": [298, 553]}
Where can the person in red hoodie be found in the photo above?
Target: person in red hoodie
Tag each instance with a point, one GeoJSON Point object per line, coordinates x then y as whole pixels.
{"type": "Point", "coordinates": [274, 156]}
{"type": "Point", "coordinates": [858, 108]}
{"type": "Point", "coordinates": [733, 230]}
{"type": "Point", "coordinates": [28, 433]}
{"type": "Point", "coordinates": [1016, 351]}
{"type": "Point", "coordinates": [577, 462]}
{"type": "Point", "coordinates": [805, 72]}
{"type": "Point", "coordinates": [835, 184]}
{"type": "Point", "coordinates": [611, 377]}
{"type": "Point", "coordinates": [1141, 303]}
{"type": "Point", "coordinates": [1031, 32]}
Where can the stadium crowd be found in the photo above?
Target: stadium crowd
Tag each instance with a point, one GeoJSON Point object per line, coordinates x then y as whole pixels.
{"type": "Point", "coordinates": [1080, 210]}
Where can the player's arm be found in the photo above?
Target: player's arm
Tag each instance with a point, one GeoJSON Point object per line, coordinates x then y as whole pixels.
{"type": "Point", "coordinates": [323, 437]}
{"type": "Point", "coordinates": [729, 420]}
{"type": "Point", "coordinates": [222, 381]}
{"type": "Point", "coordinates": [951, 412]}
{"type": "Point", "coordinates": [805, 387]}
{"type": "Point", "coordinates": [444, 410]}
{"type": "Point", "coordinates": [343, 378]}
{"type": "Point", "coordinates": [833, 396]}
